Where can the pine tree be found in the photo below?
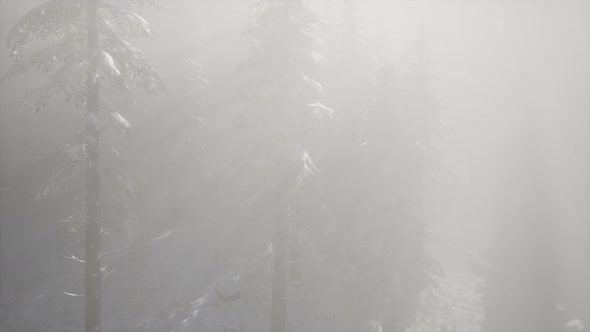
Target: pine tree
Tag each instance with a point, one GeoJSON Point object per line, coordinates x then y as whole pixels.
{"type": "Point", "coordinates": [351, 53]}
{"type": "Point", "coordinates": [85, 54]}
{"type": "Point", "coordinates": [282, 107]}
{"type": "Point", "coordinates": [398, 140]}
{"type": "Point", "coordinates": [418, 160]}
{"type": "Point", "coordinates": [92, 284]}
{"type": "Point", "coordinates": [354, 47]}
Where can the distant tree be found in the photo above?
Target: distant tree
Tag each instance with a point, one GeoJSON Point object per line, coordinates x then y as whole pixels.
{"type": "Point", "coordinates": [84, 53]}
{"type": "Point", "coordinates": [187, 131]}
{"type": "Point", "coordinates": [523, 292]}
{"type": "Point", "coordinates": [349, 71]}
{"type": "Point", "coordinates": [349, 79]}
{"type": "Point", "coordinates": [281, 111]}
{"type": "Point", "coordinates": [398, 140]}
{"type": "Point", "coordinates": [419, 161]}
{"type": "Point", "coordinates": [276, 122]}
{"type": "Point", "coordinates": [353, 42]}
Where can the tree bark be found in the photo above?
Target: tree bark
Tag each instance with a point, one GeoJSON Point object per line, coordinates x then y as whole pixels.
{"type": "Point", "coordinates": [92, 280]}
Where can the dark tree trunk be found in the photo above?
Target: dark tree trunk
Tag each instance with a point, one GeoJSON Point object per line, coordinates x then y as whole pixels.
{"type": "Point", "coordinates": [92, 278]}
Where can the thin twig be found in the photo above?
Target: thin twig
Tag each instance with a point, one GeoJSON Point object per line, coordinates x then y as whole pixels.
{"type": "Point", "coordinates": [113, 251]}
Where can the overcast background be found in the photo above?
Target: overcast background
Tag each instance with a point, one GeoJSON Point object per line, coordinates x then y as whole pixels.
{"type": "Point", "coordinates": [511, 80]}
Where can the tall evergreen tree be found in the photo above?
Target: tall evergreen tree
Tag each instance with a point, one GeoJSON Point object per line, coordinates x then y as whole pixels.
{"type": "Point", "coordinates": [84, 53]}
{"type": "Point", "coordinates": [418, 161]}
{"type": "Point", "coordinates": [93, 276]}
{"type": "Point", "coordinates": [398, 141]}
{"type": "Point", "coordinates": [277, 121]}
{"type": "Point", "coordinates": [282, 108]}
{"type": "Point", "coordinates": [376, 248]}
{"type": "Point", "coordinates": [349, 78]}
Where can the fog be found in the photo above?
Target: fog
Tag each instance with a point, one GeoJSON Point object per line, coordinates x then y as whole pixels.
{"type": "Point", "coordinates": [295, 165]}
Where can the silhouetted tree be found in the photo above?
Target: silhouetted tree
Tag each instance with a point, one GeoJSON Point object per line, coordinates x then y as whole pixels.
{"type": "Point", "coordinates": [84, 50]}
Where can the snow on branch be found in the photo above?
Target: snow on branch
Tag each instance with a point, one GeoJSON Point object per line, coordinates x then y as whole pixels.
{"type": "Point", "coordinates": [68, 165]}
{"type": "Point", "coordinates": [69, 80]}
{"type": "Point", "coordinates": [54, 17]}
{"type": "Point", "coordinates": [74, 258]}
{"type": "Point", "coordinates": [73, 294]}
{"type": "Point", "coordinates": [128, 20]}
{"type": "Point", "coordinates": [113, 251]}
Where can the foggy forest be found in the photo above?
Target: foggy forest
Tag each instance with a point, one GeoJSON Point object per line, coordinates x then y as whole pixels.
{"type": "Point", "coordinates": [294, 165]}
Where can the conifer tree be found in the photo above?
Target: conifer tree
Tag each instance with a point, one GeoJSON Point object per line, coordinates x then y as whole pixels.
{"type": "Point", "coordinates": [84, 54]}
{"type": "Point", "coordinates": [523, 292]}
{"type": "Point", "coordinates": [399, 138]}
{"type": "Point", "coordinates": [281, 106]}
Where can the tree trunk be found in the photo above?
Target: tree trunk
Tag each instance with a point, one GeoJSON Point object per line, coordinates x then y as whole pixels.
{"type": "Point", "coordinates": [92, 278]}
{"type": "Point", "coordinates": [279, 279]}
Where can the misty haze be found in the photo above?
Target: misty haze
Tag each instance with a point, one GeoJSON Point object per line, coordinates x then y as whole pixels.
{"type": "Point", "coordinates": [295, 165]}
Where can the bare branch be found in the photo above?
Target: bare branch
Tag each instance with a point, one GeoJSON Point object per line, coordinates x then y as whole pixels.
{"type": "Point", "coordinates": [74, 258]}
{"type": "Point", "coordinates": [113, 251]}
